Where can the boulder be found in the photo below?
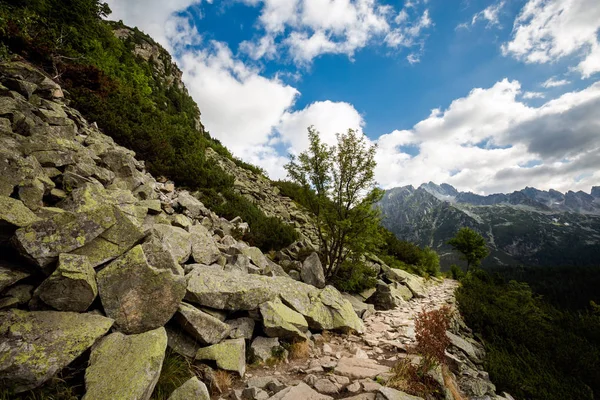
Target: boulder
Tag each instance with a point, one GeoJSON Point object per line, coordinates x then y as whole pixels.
{"type": "Point", "coordinates": [203, 327]}
{"type": "Point", "coordinates": [386, 393]}
{"type": "Point", "coordinates": [300, 391]}
{"type": "Point", "coordinates": [176, 240]}
{"type": "Point", "coordinates": [323, 309]}
{"type": "Point", "coordinates": [359, 368]}
{"type": "Point", "coordinates": [361, 309]}
{"type": "Point", "coordinates": [192, 389]}
{"type": "Point", "coordinates": [72, 285]}
{"type": "Point", "coordinates": [469, 349]}
{"type": "Point", "coordinates": [204, 247]}
{"type": "Point", "coordinates": [386, 297]}
{"type": "Point", "coordinates": [281, 321]}
{"type": "Point", "coordinates": [229, 355]}
{"type": "Point", "coordinates": [36, 345]}
{"type": "Point", "coordinates": [10, 275]}
{"type": "Point", "coordinates": [13, 213]}
{"type": "Point", "coordinates": [241, 328]}
{"type": "Point", "coordinates": [44, 240]}
{"type": "Point", "coordinates": [159, 257]}
{"type": "Point", "coordinates": [312, 271]}
{"type": "Point", "coordinates": [194, 207]}
{"type": "Point", "coordinates": [262, 348]}
{"type": "Point", "coordinates": [181, 343]}
{"type": "Point", "coordinates": [16, 296]}
{"type": "Point", "coordinates": [125, 367]}
{"type": "Point", "coordinates": [413, 282]}
{"type": "Point", "coordinates": [238, 263]}
{"type": "Point", "coordinates": [138, 296]}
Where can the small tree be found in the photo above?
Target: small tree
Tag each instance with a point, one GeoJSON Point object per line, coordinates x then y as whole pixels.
{"type": "Point", "coordinates": [472, 246]}
{"type": "Point", "coordinates": [342, 205]}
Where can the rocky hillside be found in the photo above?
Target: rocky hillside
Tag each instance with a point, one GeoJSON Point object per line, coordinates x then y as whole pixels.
{"type": "Point", "coordinates": [530, 227]}
{"type": "Point", "coordinates": [104, 266]}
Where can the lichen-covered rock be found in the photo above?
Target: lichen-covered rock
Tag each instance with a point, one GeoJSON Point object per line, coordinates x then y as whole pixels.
{"type": "Point", "coordinates": [192, 389]}
{"type": "Point", "coordinates": [263, 348]}
{"type": "Point", "coordinates": [192, 205]}
{"type": "Point", "coordinates": [125, 367]}
{"type": "Point", "coordinates": [14, 213]}
{"type": "Point", "coordinates": [159, 257]}
{"type": "Point", "coordinates": [312, 271]}
{"type": "Point", "coordinates": [361, 309]}
{"type": "Point", "coordinates": [138, 296]}
{"type": "Point", "coordinates": [16, 295]}
{"type": "Point", "coordinates": [386, 393]}
{"type": "Point", "coordinates": [203, 327]}
{"type": "Point", "coordinates": [204, 248]}
{"type": "Point", "coordinates": [388, 297]}
{"type": "Point", "coordinates": [36, 345]}
{"type": "Point", "coordinates": [44, 240]}
{"type": "Point", "coordinates": [176, 240]}
{"type": "Point", "coordinates": [323, 309]}
{"type": "Point", "coordinates": [241, 328]}
{"type": "Point", "coordinates": [359, 368]}
{"type": "Point", "coordinates": [281, 321]}
{"type": "Point", "coordinates": [10, 275]}
{"type": "Point", "coordinates": [229, 355]}
{"type": "Point", "coordinates": [181, 343]}
{"type": "Point", "coordinates": [72, 286]}
{"type": "Point", "coordinates": [413, 282]}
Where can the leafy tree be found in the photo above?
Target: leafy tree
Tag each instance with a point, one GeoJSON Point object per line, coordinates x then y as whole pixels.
{"type": "Point", "coordinates": [342, 178]}
{"type": "Point", "coordinates": [472, 246]}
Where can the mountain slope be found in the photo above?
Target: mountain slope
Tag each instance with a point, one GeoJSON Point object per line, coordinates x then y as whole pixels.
{"type": "Point", "coordinates": [530, 227]}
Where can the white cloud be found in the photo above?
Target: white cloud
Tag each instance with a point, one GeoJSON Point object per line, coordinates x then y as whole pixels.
{"type": "Point", "coordinates": [481, 141]}
{"type": "Point", "coordinates": [490, 14]}
{"type": "Point", "coordinates": [310, 28]}
{"type": "Point", "coordinates": [533, 95]}
{"type": "Point", "coordinates": [553, 82]}
{"type": "Point", "coordinates": [547, 30]}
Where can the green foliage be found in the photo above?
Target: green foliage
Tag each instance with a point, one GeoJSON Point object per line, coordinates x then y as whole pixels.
{"type": "Point", "coordinates": [354, 277]}
{"type": "Point", "coordinates": [342, 180]}
{"type": "Point", "coordinates": [176, 370]}
{"type": "Point", "coordinates": [534, 350]}
{"type": "Point", "coordinates": [456, 272]}
{"type": "Point", "coordinates": [408, 256]}
{"type": "Point", "coordinates": [130, 98]}
{"type": "Point", "coordinates": [472, 246]}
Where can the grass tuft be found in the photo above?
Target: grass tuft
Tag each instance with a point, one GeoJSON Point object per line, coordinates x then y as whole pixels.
{"type": "Point", "coordinates": [176, 370]}
{"type": "Point", "coordinates": [299, 350]}
{"type": "Point", "coordinates": [221, 381]}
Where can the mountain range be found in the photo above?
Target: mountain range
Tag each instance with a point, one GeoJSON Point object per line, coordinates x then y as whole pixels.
{"type": "Point", "coordinates": [529, 226]}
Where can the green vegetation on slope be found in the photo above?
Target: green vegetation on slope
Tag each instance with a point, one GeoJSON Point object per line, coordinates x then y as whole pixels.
{"type": "Point", "coordinates": [132, 99]}
{"type": "Point", "coordinates": [534, 349]}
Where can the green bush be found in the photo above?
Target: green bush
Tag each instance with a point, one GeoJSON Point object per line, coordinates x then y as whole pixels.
{"type": "Point", "coordinates": [456, 272]}
{"type": "Point", "coordinates": [354, 277]}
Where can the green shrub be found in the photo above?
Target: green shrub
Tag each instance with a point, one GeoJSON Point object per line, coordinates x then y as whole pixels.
{"type": "Point", "coordinates": [354, 277]}
{"type": "Point", "coordinates": [456, 272]}
{"type": "Point", "coordinates": [175, 371]}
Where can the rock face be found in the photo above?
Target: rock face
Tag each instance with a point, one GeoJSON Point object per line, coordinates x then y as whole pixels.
{"type": "Point", "coordinates": [138, 296]}
{"type": "Point", "coordinates": [262, 348]}
{"type": "Point", "coordinates": [134, 376]}
{"type": "Point", "coordinates": [230, 355]}
{"type": "Point", "coordinates": [312, 271]}
{"type": "Point", "coordinates": [203, 327]}
{"type": "Point", "coordinates": [72, 286]}
{"type": "Point", "coordinates": [35, 345]}
{"type": "Point", "coordinates": [282, 321]}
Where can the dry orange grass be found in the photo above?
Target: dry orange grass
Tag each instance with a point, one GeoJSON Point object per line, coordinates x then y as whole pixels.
{"type": "Point", "coordinates": [299, 350]}
{"type": "Point", "coordinates": [221, 381]}
{"type": "Point", "coordinates": [451, 385]}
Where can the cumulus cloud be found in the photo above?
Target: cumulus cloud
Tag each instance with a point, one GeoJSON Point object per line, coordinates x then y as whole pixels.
{"type": "Point", "coordinates": [310, 28]}
{"type": "Point", "coordinates": [484, 141]}
{"type": "Point", "coordinates": [533, 95]}
{"type": "Point", "coordinates": [547, 30]}
{"type": "Point", "coordinates": [553, 82]}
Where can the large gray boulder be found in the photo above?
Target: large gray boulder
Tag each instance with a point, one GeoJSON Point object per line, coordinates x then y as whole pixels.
{"type": "Point", "coordinates": [203, 327]}
{"type": "Point", "coordinates": [176, 240]}
{"type": "Point", "coordinates": [204, 247]}
{"type": "Point", "coordinates": [323, 309]}
{"type": "Point", "coordinates": [138, 296]}
{"type": "Point", "coordinates": [281, 321]}
{"type": "Point", "coordinates": [413, 282]}
{"type": "Point", "coordinates": [72, 285]}
{"type": "Point", "coordinates": [388, 297]}
{"type": "Point", "coordinates": [192, 389]}
{"type": "Point", "coordinates": [193, 207]}
{"type": "Point", "coordinates": [44, 240]}
{"type": "Point", "coordinates": [125, 367]}
{"type": "Point", "coordinates": [262, 348]}
{"type": "Point", "coordinates": [181, 343]}
{"type": "Point", "coordinates": [229, 355]}
{"type": "Point", "coordinates": [159, 256]}
{"type": "Point", "coordinates": [312, 271]}
{"type": "Point", "coordinates": [36, 345]}
{"type": "Point", "coordinates": [13, 214]}
{"type": "Point", "coordinates": [241, 328]}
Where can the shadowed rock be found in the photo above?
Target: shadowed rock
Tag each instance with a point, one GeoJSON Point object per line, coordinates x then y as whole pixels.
{"type": "Point", "coordinates": [202, 326]}
{"type": "Point", "coordinates": [192, 389]}
{"type": "Point", "coordinates": [229, 355]}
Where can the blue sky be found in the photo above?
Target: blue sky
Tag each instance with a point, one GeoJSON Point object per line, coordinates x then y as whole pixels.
{"type": "Point", "coordinates": [486, 95]}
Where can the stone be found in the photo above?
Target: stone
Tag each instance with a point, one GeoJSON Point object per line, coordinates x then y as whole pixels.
{"type": "Point", "coordinates": [263, 382]}
{"type": "Point", "coordinates": [299, 391]}
{"type": "Point", "coordinates": [386, 297]}
{"type": "Point", "coordinates": [354, 387]}
{"type": "Point", "coordinates": [386, 393]}
{"type": "Point", "coordinates": [256, 256]}
{"type": "Point", "coordinates": [181, 343]}
{"type": "Point", "coordinates": [262, 348]}
{"type": "Point", "coordinates": [312, 271]}
{"type": "Point", "coordinates": [241, 328]}
{"type": "Point", "coordinates": [138, 296]}
{"type": "Point", "coordinates": [229, 355]}
{"type": "Point", "coordinates": [361, 309]}
{"type": "Point", "coordinates": [359, 368]}
{"type": "Point", "coordinates": [204, 247]}
{"type": "Point", "coordinates": [176, 240]}
{"type": "Point", "coordinates": [192, 205]}
{"type": "Point", "coordinates": [181, 221]}
{"type": "Point", "coordinates": [153, 205]}
{"type": "Point", "coordinates": [325, 386]}
{"type": "Point", "coordinates": [413, 282]}
{"type": "Point", "coordinates": [38, 344]}
{"type": "Point", "coordinates": [10, 275]}
{"type": "Point", "coordinates": [203, 327]}
{"type": "Point", "coordinates": [16, 296]}
{"type": "Point", "coordinates": [136, 372]}
{"type": "Point", "coordinates": [192, 389]}
{"type": "Point", "coordinates": [466, 347]}
{"type": "Point", "coordinates": [323, 309]}
{"type": "Point", "coordinates": [43, 241]}
{"type": "Point", "coordinates": [362, 396]}
{"type": "Point", "coordinates": [72, 285]}
{"type": "Point", "coordinates": [14, 213]}
{"type": "Point", "coordinates": [159, 257]}
{"type": "Point", "coordinates": [281, 321]}
{"type": "Point", "coordinates": [238, 263]}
